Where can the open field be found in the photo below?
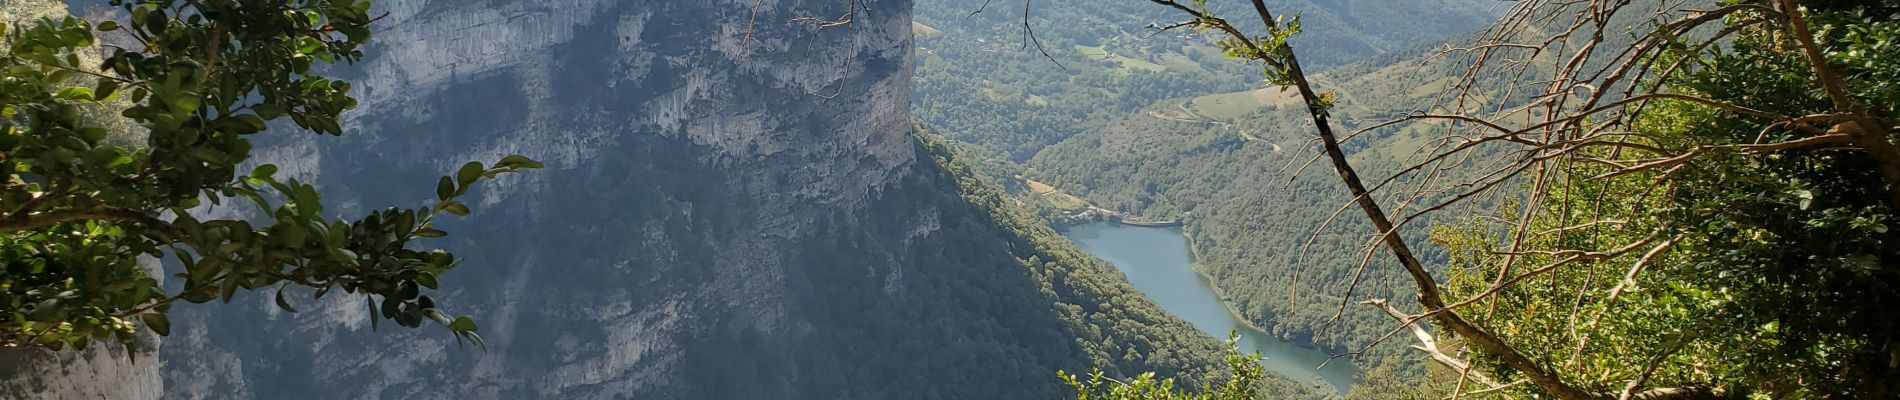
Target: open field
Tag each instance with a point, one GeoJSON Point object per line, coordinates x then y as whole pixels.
{"type": "Point", "coordinates": [1039, 187]}
{"type": "Point", "coordinates": [1127, 63]}
{"type": "Point", "coordinates": [1056, 198]}
{"type": "Point", "coordinates": [1237, 104]}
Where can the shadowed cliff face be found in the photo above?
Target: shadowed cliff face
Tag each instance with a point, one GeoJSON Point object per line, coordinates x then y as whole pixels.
{"type": "Point", "coordinates": [734, 207]}
{"type": "Point", "coordinates": [721, 217]}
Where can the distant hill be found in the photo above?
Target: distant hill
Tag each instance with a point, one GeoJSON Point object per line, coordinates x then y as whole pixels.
{"type": "Point", "coordinates": [1201, 139]}
{"type": "Point", "coordinates": [1230, 171]}
{"type": "Point", "coordinates": [980, 77]}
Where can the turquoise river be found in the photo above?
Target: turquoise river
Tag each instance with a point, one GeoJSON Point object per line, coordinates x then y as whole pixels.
{"type": "Point", "coordinates": [1158, 262]}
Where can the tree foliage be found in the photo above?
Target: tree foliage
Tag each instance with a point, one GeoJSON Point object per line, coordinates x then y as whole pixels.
{"type": "Point", "coordinates": [194, 82]}
{"type": "Point", "coordinates": [1228, 177]}
{"type": "Point", "coordinates": [978, 78]}
{"type": "Point", "coordinates": [1243, 382]}
{"type": "Point", "coordinates": [1117, 331]}
{"type": "Point", "coordinates": [1760, 263]}
{"type": "Point", "coordinates": [1720, 123]}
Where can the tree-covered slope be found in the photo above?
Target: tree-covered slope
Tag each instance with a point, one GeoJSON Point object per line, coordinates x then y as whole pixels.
{"type": "Point", "coordinates": [1164, 126]}
{"type": "Point", "coordinates": [1254, 207]}
{"type": "Point", "coordinates": [1271, 223]}
{"type": "Point", "coordinates": [1092, 296]}
{"type": "Point", "coordinates": [991, 85]}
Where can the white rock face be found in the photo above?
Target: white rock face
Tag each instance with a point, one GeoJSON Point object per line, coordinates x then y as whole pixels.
{"type": "Point", "coordinates": [730, 139]}
{"type": "Point", "coordinates": [733, 208]}
{"type": "Point", "coordinates": [101, 372]}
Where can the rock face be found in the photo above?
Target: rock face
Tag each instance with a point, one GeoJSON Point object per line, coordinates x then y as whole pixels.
{"type": "Point", "coordinates": [101, 372]}
{"type": "Point", "coordinates": [734, 208]}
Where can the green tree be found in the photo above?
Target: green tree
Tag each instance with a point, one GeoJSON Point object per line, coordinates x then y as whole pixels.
{"type": "Point", "coordinates": [1243, 382]}
{"type": "Point", "coordinates": [1741, 235]}
{"type": "Point", "coordinates": [81, 204]}
{"type": "Point", "coordinates": [1282, 67]}
{"type": "Point", "coordinates": [1750, 146]}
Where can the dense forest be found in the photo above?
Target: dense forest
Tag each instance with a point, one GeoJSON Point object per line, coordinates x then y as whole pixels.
{"type": "Point", "coordinates": [1200, 139]}
{"type": "Point", "coordinates": [1090, 295]}
{"type": "Point", "coordinates": [1260, 231]}
{"type": "Point", "coordinates": [1277, 235]}
{"type": "Point", "coordinates": [981, 77]}
{"type": "Point", "coordinates": [1699, 210]}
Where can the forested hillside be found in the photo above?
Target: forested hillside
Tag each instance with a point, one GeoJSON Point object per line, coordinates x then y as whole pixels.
{"type": "Point", "coordinates": [1160, 125]}
{"type": "Point", "coordinates": [1089, 295]}
{"type": "Point", "coordinates": [981, 78]}
{"type": "Point", "coordinates": [1648, 200]}
{"type": "Point", "coordinates": [1254, 208]}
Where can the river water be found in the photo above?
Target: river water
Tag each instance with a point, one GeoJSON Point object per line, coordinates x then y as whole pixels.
{"type": "Point", "coordinates": [1156, 261]}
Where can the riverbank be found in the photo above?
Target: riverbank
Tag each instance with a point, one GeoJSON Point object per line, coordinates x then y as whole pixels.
{"type": "Point", "coordinates": [1080, 213]}
{"type": "Point", "coordinates": [1174, 223]}
{"type": "Point", "coordinates": [1161, 263]}
{"type": "Point", "coordinates": [1194, 264]}
{"type": "Point", "coordinates": [1070, 210]}
{"type": "Point", "coordinates": [1194, 256]}
{"type": "Point", "coordinates": [1092, 214]}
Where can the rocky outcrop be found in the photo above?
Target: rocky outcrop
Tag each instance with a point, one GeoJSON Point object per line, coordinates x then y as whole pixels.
{"type": "Point", "coordinates": [100, 372]}
{"type": "Point", "coordinates": [734, 208]}
{"type": "Point", "coordinates": [686, 161]}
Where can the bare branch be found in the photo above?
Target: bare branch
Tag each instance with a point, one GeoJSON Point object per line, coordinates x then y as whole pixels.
{"type": "Point", "coordinates": [1029, 36]}
{"type": "Point", "coordinates": [1428, 344]}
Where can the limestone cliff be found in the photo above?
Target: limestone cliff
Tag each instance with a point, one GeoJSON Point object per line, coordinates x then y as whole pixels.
{"type": "Point", "coordinates": [734, 208]}
{"type": "Point", "coordinates": [684, 164]}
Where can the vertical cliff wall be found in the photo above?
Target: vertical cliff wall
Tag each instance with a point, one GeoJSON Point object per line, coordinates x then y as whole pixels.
{"type": "Point", "coordinates": [686, 167]}
{"type": "Point", "coordinates": [734, 208]}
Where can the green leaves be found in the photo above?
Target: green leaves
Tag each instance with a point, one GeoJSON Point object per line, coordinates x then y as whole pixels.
{"type": "Point", "coordinates": [157, 322]}
{"type": "Point", "coordinates": [284, 304]}
{"type": "Point", "coordinates": [264, 172]}
{"type": "Point", "coordinates": [133, 168]}
{"type": "Point", "coordinates": [1750, 255]}
{"type": "Point", "coordinates": [1804, 198]}
{"type": "Point", "coordinates": [517, 162]}
{"type": "Point", "coordinates": [464, 329]}
{"type": "Point", "coordinates": [75, 93]}
{"type": "Point", "coordinates": [1244, 373]}
{"type": "Point", "coordinates": [462, 324]}
{"type": "Point", "coordinates": [468, 174]}
{"type": "Point", "coordinates": [107, 89]}
{"type": "Point", "coordinates": [445, 189]}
